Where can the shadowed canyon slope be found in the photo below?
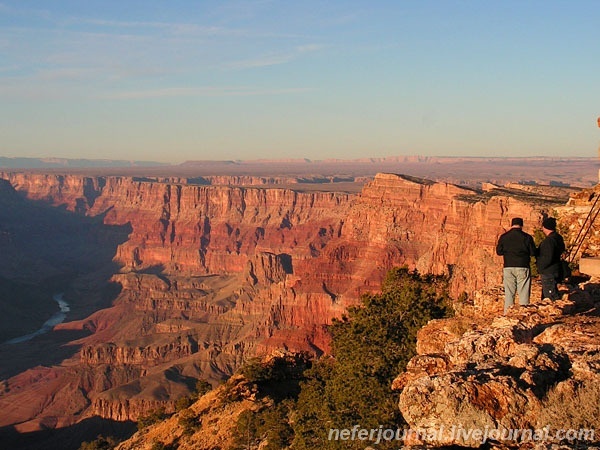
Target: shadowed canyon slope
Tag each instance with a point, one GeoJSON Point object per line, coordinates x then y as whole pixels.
{"type": "Point", "coordinates": [207, 276]}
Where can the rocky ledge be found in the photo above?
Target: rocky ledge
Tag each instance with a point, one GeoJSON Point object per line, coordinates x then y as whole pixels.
{"type": "Point", "coordinates": [481, 376]}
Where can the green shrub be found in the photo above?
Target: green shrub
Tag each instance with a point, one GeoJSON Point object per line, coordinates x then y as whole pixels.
{"type": "Point", "coordinates": [279, 377]}
{"type": "Point", "coordinates": [269, 428]}
{"type": "Point", "coordinates": [202, 387]}
{"type": "Point", "coordinates": [371, 346]}
{"type": "Point", "coordinates": [154, 416]}
{"type": "Point", "coordinates": [254, 370]}
{"type": "Point", "coordinates": [157, 445]}
{"type": "Point", "coordinates": [182, 403]}
{"type": "Point", "coordinates": [101, 443]}
{"type": "Point", "coordinates": [188, 421]}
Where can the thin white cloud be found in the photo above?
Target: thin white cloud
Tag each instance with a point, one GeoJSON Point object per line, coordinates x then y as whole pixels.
{"type": "Point", "coordinates": [24, 12]}
{"type": "Point", "coordinates": [8, 68]}
{"type": "Point", "coordinates": [174, 28]}
{"type": "Point", "coordinates": [186, 30]}
{"type": "Point", "coordinates": [343, 19]}
{"type": "Point", "coordinates": [49, 92]}
{"type": "Point", "coordinates": [275, 59]}
{"type": "Point", "coordinates": [66, 74]}
{"type": "Point", "coordinates": [210, 91]}
{"type": "Point", "coordinates": [265, 61]}
{"type": "Point", "coordinates": [79, 57]}
{"type": "Point", "coordinates": [309, 48]}
{"type": "Point", "coordinates": [38, 91]}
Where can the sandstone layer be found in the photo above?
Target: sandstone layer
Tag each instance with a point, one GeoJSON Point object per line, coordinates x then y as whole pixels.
{"type": "Point", "coordinates": [211, 275]}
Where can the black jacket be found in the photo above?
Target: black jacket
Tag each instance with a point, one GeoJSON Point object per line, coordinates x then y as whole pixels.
{"type": "Point", "coordinates": [549, 253]}
{"type": "Point", "coordinates": [517, 248]}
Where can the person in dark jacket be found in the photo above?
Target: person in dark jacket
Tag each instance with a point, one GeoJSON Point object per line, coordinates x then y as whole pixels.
{"type": "Point", "coordinates": [548, 260]}
{"type": "Point", "coordinates": [517, 248]}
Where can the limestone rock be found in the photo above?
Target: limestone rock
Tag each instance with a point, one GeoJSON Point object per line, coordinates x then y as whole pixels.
{"type": "Point", "coordinates": [499, 375]}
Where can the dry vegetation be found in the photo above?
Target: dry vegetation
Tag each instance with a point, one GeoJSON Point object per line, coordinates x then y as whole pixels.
{"type": "Point", "coordinates": [571, 406]}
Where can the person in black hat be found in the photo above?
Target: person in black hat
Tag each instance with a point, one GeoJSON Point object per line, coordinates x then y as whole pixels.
{"type": "Point", "coordinates": [548, 260]}
{"type": "Point", "coordinates": [517, 248]}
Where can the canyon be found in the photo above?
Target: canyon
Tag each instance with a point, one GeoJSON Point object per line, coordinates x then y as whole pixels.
{"type": "Point", "coordinates": [170, 281]}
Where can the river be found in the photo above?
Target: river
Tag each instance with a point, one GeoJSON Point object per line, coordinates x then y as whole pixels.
{"type": "Point", "coordinates": [56, 318]}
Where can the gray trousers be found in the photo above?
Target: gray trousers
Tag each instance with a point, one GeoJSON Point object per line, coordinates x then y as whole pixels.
{"type": "Point", "coordinates": [517, 281]}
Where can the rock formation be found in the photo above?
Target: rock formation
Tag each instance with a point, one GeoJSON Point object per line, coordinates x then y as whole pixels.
{"type": "Point", "coordinates": [483, 371]}
{"type": "Point", "coordinates": [211, 421]}
{"type": "Point", "coordinates": [211, 275]}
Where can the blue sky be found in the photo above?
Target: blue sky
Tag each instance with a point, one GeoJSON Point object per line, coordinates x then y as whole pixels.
{"type": "Point", "coordinates": [178, 80]}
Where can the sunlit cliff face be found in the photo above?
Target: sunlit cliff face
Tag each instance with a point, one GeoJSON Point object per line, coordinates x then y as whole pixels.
{"type": "Point", "coordinates": [206, 276]}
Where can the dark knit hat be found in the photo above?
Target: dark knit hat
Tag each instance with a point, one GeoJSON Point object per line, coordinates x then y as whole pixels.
{"type": "Point", "coordinates": [516, 221]}
{"type": "Point", "coordinates": [549, 223]}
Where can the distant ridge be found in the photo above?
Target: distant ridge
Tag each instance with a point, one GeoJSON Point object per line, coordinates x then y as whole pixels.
{"type": "Point", "coordinates": [417, 159]}
{"type": "Point", "coordinates": [460, 170]}
{"type": "Point", "coordinates": [208, 162]}
{"type": "Point", "coordinates": [81, 163]}
{"type": "Point", "coordinates": [52, 163]}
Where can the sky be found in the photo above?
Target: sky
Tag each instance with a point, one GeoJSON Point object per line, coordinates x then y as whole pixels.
{"type": "Point", "coordinates": [183, 80]}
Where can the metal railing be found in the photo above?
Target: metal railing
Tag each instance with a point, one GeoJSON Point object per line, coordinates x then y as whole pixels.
{"type": "Point", "coordinates": [575, 247]}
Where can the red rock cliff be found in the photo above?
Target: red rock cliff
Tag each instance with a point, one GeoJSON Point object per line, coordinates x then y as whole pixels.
{"type": "Point", "coordinates": [213, 274]}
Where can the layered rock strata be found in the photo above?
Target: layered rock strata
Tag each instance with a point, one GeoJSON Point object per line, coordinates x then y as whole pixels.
{"type": "Point", "coordinates": [210, 275]}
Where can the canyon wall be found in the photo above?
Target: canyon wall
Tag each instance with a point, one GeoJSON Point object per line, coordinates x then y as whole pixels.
{"type": "Point", "coordinates": [212, 275]}
{"type": "Point", "coordinates": [191, 229]}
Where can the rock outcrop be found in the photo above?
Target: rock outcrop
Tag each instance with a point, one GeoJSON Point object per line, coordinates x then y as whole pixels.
{"type": "Point", "coordinates": [213, 421]}
{"type": "Point", "coordinates": [497, 375]}
{"type": "Point", "coordinates": [209, 423]}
